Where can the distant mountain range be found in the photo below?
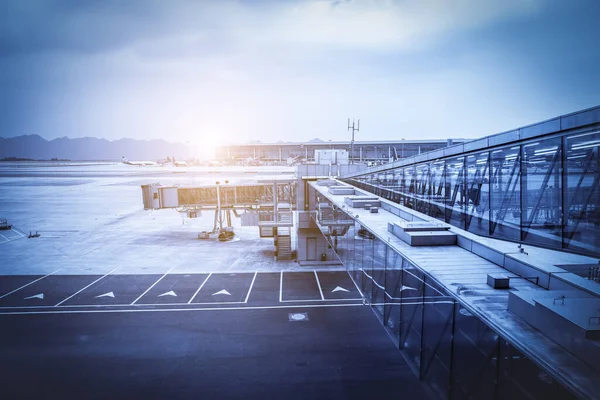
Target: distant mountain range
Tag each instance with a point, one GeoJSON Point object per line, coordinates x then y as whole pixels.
{"type": "Point", "coordinates": [92, 149]}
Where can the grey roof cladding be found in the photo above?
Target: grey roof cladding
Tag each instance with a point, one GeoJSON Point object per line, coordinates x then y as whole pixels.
{"type": "Point", "coordinates": [581, 118]}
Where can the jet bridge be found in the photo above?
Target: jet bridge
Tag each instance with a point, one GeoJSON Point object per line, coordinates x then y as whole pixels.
{"type": "Point", "coordinates": [265, 203]}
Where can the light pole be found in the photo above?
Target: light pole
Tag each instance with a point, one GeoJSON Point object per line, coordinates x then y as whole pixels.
{"type": "Point", "coordinates": [354, 129]}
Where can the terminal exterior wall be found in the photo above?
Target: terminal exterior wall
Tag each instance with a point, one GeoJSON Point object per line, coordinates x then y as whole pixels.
{"type": "Point", "coordinates": [364, 151]}
{"type": "Point", "coordinates": [544, 190]}
{"type": "Point", "coordinates": [451, 350]}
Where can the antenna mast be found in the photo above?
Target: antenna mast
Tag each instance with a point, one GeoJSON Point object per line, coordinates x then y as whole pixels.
{"type": "Point", "coordinates": [355, 128]}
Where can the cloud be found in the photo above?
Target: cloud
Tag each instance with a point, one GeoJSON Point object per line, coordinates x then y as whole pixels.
{"type": "Point", "coordinates": [189, 28]}
{"type": "Point", "coordinates": [290, 70]}
{"type": "Point", "coordinates": [388, 25]}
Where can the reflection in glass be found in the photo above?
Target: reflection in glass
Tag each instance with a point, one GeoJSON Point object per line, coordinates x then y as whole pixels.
{"type": "Point", "coordinates": [474, 357]}
{"type": "Point", "coordinates": [478, 193]}
{"type": "Point", "coordinates": [541, 192]}
{"type": "Point", "coordinates": [422, 188]}
{"type": "Point", "coordinates": [411, 312]}
{"type": "Point", "coordinates": [438, 189]}
{"type": "Point", "coordinates": [393, 293]}
{"type": "Point", "coordinates": [455, 191]}
{"type": "Point", "coordinates": [582, 198]}
{"type": "Point", "coordinates": [378, 275]}
{"type": "Point", "coordinates": [505, 199]}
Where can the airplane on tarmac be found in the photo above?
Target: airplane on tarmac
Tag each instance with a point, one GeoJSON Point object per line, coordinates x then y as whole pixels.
{"type": "Point", "coordinates": [138, 163]}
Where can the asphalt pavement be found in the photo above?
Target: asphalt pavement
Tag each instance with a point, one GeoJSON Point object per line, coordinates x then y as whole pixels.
{"type": "Point", "coordinates": [250, 335]}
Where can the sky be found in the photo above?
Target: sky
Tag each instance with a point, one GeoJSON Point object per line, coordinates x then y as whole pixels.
{"type": "Point", "coordinates": [216, 72]}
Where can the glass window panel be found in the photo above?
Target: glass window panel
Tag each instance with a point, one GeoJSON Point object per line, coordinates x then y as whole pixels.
{"type": "Point", "coordinates": [387, 184]}
{"type": "Point", "coordinates": [478, 194]}
{"type": "Point", "coordinates": [519, 378]}
{"type": "Point", "coordinates": [365, 240]}
{"type": "Point", "coordinates": [346, 249]}
{"type": "Point", "coordinates": [358, 255]}
{"type": "Point", "coordinates": [438, 190]}
{"type": "Point", "coordinates": [396, 184]}
{"type": "Point", "coordinates": [378, 274]}
{"type": "Point", "coordinates": [541, 192]}
{"type": "Point", "coordinates": [474, 357]}
{"type": "Point", "coordinates": [393, 293]}
{"type": "Point", "coordinates": [409, 186]}
{"type": "Point", "coordinates": [505, 188]}
{"type": "Point", "coordinates": [411, 312]}
{"type": "Point", "coordinates": [438, 317]}
{"type": "Point", "coordinates": [422, 188]}
{"type": "Point", "coordinates": [582, 197]}
{"type": "Point", "coordinates": [455, 192]}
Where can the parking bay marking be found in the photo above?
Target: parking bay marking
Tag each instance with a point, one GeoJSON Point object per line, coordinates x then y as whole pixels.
{"type": "Point", "coordinates": [224, 292]}
{"type": "Point", "coordinates": [186, 309]}
{"type": "Point", "coordinates": [35, 296]}
{"type": "Point", "coordinates": [251, 285]}
{"type": "Point", "coordinates": [189, 302]}
{"type": "Point", "coordinates": [24, 286]}
{"type": "Point", "coordinates": [151, 286]}
{"type": "Point", "coordinates": [339, 289]}
{"type": "Point", "coordinates": [81, 290]}
{"type": "Point", "coordinates": [319, 284]}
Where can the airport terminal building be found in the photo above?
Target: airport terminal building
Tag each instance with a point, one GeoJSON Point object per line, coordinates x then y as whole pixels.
{"type": "Point", "coordinates": [481, 260]}
{"type": "Point", "coordinates": [364, 151]}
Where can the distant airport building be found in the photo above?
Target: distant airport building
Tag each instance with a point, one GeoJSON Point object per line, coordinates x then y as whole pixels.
{"type": "Point", "coordinates": [375, 152]}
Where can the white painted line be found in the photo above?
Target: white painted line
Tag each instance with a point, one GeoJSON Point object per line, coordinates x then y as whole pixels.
{"type": "Point", "coordinates": [151, 286]}
{"type": "Point", "coordinates": [357, 288]}
{"type": "Point", "coordinates": [184, 305]}
{"type": "Point", "coordinates": [5, 238]}
{"type": "Point", "coordinates": [81, 290]}
{"type": "Point", "coordinates": [281, 286]}
{"type": "Point", "coordinates": [147, 290]}
{"type": "Point", "coordinates": [181, 309]}
{"type": "Point", "coordinates": [19, 232]}
{"type": "Point", "coordinates": [251, 285]}
{"type": "Point", "coordinates": [24, 286]}
{"type": "Point", "coordinates": [319, 284]}
{"type": "Point", "coordinates": [199, 288]}
{"type": "Point", "coordinates": [321, 300]}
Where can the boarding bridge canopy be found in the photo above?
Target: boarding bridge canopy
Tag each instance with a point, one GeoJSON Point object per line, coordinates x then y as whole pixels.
{"type": "Point", "coordinates": [264, 194]}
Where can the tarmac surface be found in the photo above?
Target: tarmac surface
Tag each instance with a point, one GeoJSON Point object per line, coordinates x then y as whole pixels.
{"type": "Point", "coordinates": [293, 335]}
{"type": "Point", "coordinates": [115, 302]}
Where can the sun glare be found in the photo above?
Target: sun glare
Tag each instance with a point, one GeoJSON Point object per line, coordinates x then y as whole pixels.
{"type": "Point", "coordinates": [206, 146]}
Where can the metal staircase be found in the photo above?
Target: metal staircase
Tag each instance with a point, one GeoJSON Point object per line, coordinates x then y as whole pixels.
{"type": "Point", "coordinates": [283, 244]}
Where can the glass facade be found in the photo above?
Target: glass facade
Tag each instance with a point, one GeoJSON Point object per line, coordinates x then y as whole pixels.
{"type": "Point", "coordinates": [544, 192]}
{"type": "Point", "coordinates": [453, 352]}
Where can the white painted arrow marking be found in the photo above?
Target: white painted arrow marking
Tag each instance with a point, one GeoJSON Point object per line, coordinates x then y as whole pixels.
{"type": "Point", "coordinates": [109, 294]}
{"type": "Point", "coordinates": [171, 293]}
{"type": "Point", "coordinates": [222, 292]}
{"type": "Point", "coordinates": [407, 288]}
{"type": "Point", "coordinates": [37, 296]}
{"type": "Point", "coordinates": [339, 289]}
